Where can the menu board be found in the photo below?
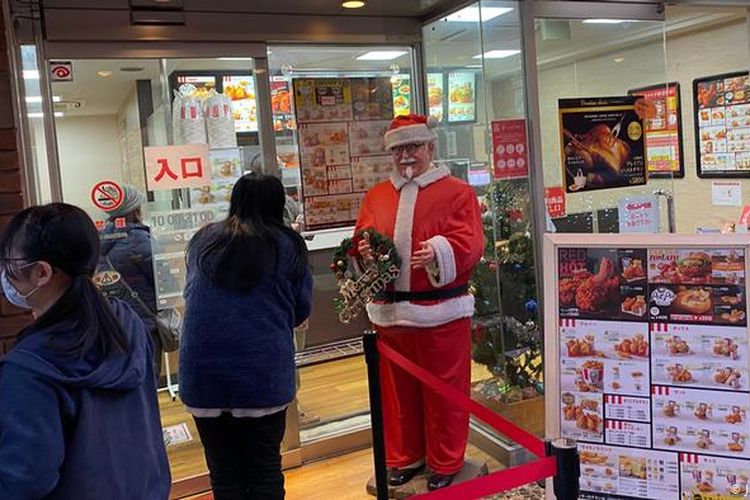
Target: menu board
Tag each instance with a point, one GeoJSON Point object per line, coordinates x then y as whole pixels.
{"type": "Point", "coordinates": [226, 168]}
{"type": "Point", "coordinates": [342, 153]}
{"type": "Point", "coordinates": [602, 143]}
{"type": "Point", "coordinates": [663, 130]}
{"type": "Point", "coordinates": [462, 96]}
{"type": "Point", "coordinates": [436, 95]}
{"type": "Point", "coordinates": [281, 104]}
{"type": "Point", "coordinates": [202, 83]}
{"type": "Point", "coordinates": [241, 91]}
{"type": "Point", "coordinates": [653, 371]}
{"type": "Point", "coordinates": [401, 95]}
{"type": "Point", "coordinates": [722, 125]}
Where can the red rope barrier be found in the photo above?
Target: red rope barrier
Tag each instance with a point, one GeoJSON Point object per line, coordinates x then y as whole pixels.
{"type": "Point", "coordinates": [497, 482]}
{"type": "Point", "coordinates": [517, 434]}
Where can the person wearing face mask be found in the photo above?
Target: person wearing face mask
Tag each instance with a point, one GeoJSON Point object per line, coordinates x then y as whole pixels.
{"type": "Point", "coordinates": [79, 416]}
{"type": "Point", "coordinates": [435, 223]}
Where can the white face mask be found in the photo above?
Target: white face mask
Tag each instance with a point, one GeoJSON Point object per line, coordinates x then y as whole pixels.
{"type": "Point", "coordinates": [13, 295]}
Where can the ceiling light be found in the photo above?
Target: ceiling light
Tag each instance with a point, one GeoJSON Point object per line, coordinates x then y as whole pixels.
{"type": "Point", "coordinates": [353, 4]}
{"type": "Point", "coordinates": [381, 55]}
{"type": "Point", "coordinates": [473, 66]}
{"type": "Point", "coordinates": [30, 74]}
{"type": "Point", "coordinates": [33, 99]}
{"type": "Point", "coordinates": [618, 60]}
{"type": "Point", "coordinates": [605, 21]}
{"type": "Point", "coordinates": [237, 58]}
{"type": "Point", "coordinates": [497, 54]}
{"type": "Point", "coordinates": [471, 14]}
{"type": "Point", "coordinates": [104, 73]}
{"type": "Point", "coordinates": [58, 114]}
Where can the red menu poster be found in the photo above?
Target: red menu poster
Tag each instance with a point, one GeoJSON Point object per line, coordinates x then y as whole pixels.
{"type": "Point", "coordinates": [663, 130]}
{"type": "Point", "coordinates": [510, 149]}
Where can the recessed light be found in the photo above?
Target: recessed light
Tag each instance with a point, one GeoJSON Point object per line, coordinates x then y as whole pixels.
{"type": "Point", "coordinates": [353, 4]}
{"type": "Point", "coordinates": [473, 66]}
{"type": "Point", "coordinates": [497, 54]}
{"type": "Point", "coordinates": [30, 74]}
{"type": "Point", "coordinates": [471, 14]}
{"type": "Point", "coordinates": [605, 21]}
{"type": "Point", "coordinates": [618, 60]}
{"type": "Point", "coordinates": [381, 55]}
{"type": "Point", "coordinates": [237, 58]}
{"type": "Point", "coordinates": [104, 73]}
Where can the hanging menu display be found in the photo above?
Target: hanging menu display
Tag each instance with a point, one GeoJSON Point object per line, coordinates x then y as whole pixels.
{"type": "Point", "coordinates": [401, 94]}
{"type": "Point", "coordinates": [436, 95]}
{"type": "Point", "coordinates": [281, 104]}
{"type": "Point", "coordinates": [722, 125]}
{"type": "Point", "coordinates": [462, 97]}
{"type": "Point", "coordinates": [663, 130]}
{"type": "Point", "coordinates": [341, 127]}
{"type": "Point", "coordinates": [653, 372]}
{"type": "Point", "coordinates": [602, 143]}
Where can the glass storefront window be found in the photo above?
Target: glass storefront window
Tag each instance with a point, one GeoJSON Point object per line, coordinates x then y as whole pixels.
{"type": "Point", "coordinates": [373, 83]}
{"type": "Point", "coordinates": [475, 88]}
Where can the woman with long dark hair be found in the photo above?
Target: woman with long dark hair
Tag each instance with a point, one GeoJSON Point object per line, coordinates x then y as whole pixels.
{"type": "Point", "coordinates": [78, 409]}
{"type": "Point", "coordinates": [248, 286]}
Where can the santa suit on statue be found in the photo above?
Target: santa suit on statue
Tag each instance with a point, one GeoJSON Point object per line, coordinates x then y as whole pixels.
{"type": "Point", "coordinates": [435, 223]}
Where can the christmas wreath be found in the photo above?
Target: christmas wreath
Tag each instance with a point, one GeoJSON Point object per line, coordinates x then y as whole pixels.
{"type": "Point", "coordinates": [359, 280]}
{"type": "Point", "coordinates": [347, 254]}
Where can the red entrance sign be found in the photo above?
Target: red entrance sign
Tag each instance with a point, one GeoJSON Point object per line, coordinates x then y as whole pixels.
{"type": "Point", "coordinates": [106, 195]}
{"type": "Point", "coordinates": [510, 151]}
{"type": "Point", "coordinates": [176, 167]}
{"type": "Point", "coordinates": [555, 199]}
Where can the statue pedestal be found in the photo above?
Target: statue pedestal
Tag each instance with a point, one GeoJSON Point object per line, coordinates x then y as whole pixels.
{"type": "Point", "coordinates": [472, 469]}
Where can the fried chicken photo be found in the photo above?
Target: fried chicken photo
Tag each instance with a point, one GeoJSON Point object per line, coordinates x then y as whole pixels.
{"type": "Point", "coordinates": [595, 291]}
{"type": "Point", "coordinates": [599, 149]}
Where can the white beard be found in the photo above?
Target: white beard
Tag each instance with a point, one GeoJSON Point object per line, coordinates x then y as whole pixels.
{"type": "Point", "coordinates": [409, 172]}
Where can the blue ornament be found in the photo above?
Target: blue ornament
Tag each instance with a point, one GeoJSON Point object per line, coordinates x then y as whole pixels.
{"type": "Point", "coordinates": [532, 305]}
{"type": "Point", "coordinates": [517, 267]}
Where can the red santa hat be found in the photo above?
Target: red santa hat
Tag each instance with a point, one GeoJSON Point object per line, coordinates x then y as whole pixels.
{"type": "Point", "coordinates": [407, 129]}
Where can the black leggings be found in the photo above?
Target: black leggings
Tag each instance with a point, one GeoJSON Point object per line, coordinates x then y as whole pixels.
{"type": "Point", "coordinates": [244, 455]}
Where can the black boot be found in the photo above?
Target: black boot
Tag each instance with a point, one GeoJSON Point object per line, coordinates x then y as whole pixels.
{"type": "Point", "coordinates": [438, 481]}
{"type": "Point", "coordinates": [397, 477]}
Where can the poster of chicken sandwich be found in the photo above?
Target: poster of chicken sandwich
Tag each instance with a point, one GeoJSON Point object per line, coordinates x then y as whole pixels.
{"type": "Point", "coordinates": [603, 143]}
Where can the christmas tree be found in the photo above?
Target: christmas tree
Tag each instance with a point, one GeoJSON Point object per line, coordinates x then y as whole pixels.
{"type": "Point", "coordinates": [505, 329]}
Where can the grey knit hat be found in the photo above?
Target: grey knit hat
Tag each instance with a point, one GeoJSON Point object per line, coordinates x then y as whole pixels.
{"type": "Point", "coordinates": [132, 199]}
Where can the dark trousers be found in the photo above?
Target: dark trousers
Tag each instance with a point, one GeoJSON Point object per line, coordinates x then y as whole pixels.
{"type": "Point", "coordinates": [244, 455]}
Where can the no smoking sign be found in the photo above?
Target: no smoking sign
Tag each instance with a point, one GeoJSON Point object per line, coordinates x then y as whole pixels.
{"type": "Point", "coordinates": [107, 196]}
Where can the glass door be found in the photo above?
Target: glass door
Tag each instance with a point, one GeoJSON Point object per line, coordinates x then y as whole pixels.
{"type": "Point", "coordinates": [106, 120]}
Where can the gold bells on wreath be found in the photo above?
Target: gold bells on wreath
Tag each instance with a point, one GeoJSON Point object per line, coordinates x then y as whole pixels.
{"type": "Point", "coordinates": [360, 281]}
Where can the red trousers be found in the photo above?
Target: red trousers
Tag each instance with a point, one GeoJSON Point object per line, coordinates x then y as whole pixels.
{"type": "Point", "coordinates": [418, 422]}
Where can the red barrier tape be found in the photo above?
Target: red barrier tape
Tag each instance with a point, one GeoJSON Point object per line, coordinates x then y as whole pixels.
{"type": "Point", "coordinates": [521, 436]}
{"type": "Point", "coordinates": [496, 482]}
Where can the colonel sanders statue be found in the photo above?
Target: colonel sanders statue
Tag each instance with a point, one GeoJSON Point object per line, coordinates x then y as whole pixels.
{"type": "Point", "coordinates": [435, 223]}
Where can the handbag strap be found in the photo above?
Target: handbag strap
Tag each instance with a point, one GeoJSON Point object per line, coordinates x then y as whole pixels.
{"type": "Point", "coordinates": [130, 290]}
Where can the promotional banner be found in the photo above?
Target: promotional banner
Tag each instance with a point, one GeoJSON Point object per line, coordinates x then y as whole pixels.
{"type": "Point", "coordinates": [663, 130]}
{"type": "Point", "coordinates": [602, 142]}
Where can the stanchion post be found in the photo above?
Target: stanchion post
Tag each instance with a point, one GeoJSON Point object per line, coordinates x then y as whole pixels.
{"type": "Point", "coordinates": [566, 481]}
{"type": "Point", "coordinates": [372, 358]}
